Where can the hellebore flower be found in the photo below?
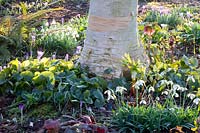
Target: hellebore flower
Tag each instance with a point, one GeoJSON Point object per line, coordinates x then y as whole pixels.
{"type": "Point", "coordinates": [148, 30]}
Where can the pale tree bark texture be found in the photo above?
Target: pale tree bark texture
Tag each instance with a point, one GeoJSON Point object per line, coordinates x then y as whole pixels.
{"type": "Point", "coordinates": [111, 32]}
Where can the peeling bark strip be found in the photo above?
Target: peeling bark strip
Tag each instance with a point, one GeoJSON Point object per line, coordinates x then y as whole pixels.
{"type": "Point", "coordinates": [102, 24]}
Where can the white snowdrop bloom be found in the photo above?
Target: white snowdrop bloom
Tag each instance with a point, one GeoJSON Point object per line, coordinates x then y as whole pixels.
{"type": "Point", "coordinates": [165, 93]}
{"type": "Point", "coordinates": [53, 22]}
{"type": "Point", "coordinates": [176, 87]}
{"type": "Point", "coordinates": [182, 89]}
{"type": "Point", "coordinates": [196, 101]}
{"type": "Point", "coordinates": [158, 98]}
{"type": "Point", "coordinates": [110, 95]}
{"type": "Point", "coordinates": [31, 124]}
{"type": "Point", "coordinates": [120, 89]}
{"type": "Point", "coordinates": [181, 14]}
{"type": "Point", "coordinates": [47, 24]}
{"type": "Point", "coordinates": [163, 82]}
{"type": "Point", "coordinates": [170, 82]}
{"type": "Point", "coordinates": [172, 109]}
{"type": "Point", "coordinates": [175, 95]}
{"type": "Point", "coordinates": [151, 89]}
{"type": "Point", "coordinates": [191, 96]}
{"type": "Point", "coordinates": [143, 102]}
{"type": "Point", "coordinates": [138, 84]}
{"type": "Point", "coordinates": [164, 25]}
{"type": "Point", "coordinates": [190, 78]}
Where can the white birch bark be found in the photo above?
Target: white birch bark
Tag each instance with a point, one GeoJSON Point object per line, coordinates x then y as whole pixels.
{"type": "Point", "coordinates": [111, 32]}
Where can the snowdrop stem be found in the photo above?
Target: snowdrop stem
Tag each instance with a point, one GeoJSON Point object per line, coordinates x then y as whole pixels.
{"type": "Point", "coordinates": [21, 120]}
{"type": "Point", "coordinates": [137, 97]}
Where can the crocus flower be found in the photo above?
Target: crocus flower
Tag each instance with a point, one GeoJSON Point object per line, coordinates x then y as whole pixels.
{"type": "Point", "coordinates": [21, 106]}
{"type": "Point", "coordinates": [54, 56]}
{"type": "Point", "coordinates": [66, 57]}
{"type": "Point", "coordinates": [26, 56]}
{"type": "Point", "coordinates": [33, 38]}
{"type": "Point", "coordinates": [1, 68]}
{"type": "Point", "coordinates": [78, 49]}
{"type": "Point", "coordinates": [39, 54]}
{"type": "Point", "coordinates": [62, 21]}
{"type": "Point", "coordinates": [148, 30]}
{"type": "Point", "coordinates": [188, 14]}
{"type": "Point", "coordinates": [53, 22]}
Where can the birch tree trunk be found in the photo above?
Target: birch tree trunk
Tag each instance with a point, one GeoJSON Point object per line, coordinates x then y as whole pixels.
{"type": "Point", "coordinates": [111, 32]}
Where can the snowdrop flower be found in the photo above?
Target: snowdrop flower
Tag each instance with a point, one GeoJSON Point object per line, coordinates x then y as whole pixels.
{"type": "Point", "coordinates": [182, 89]}
{"type": "Point", "coordinates": [163, 82]}
{"type": "Point", "coordinates": [165, 93]}
{"type": "Point", "coordinates": [139, 83]}
{"type": "Point", "coordinates": [110, 95]}
{"type": "Point", "coordinates": [190, 78]}
{"type": "Point", "coordinates": [143, 102]}
{"type": "Point", "coordinates": [172, 109]}
{"type": "Point", "coordinates": [31, 124]}
{"type": "Point", "coordinates": [170, 82]}
{"type": "Point", "coordinates": [54, 56]}
{"type": "Point", "coordinates": [196, 101]}
{"type": "Point", "coordinates": [181, 14]}
{"type": "Point", "coordinates": [120, 89]}
{"type": "Point", "coordinates": [176, 87]}
{"type": "Point", "coordinates": [4, 67]}
{"type": "Point", "coordinates": [45, 3]}
{"type": "Point", "coordinates": [78, 49]}
{"type": "Point", "coordinates": [47, 24]}
{"type": "Point", "coordinates": [175, 95]}
{"type": "Point", "coordinates": [39, 54]}
{"type": "Point", "coordinates": [66, 57]}
{"type": "Point", "coordinates": [164, 25]}
{"type": "Point", "coordinates": [191, 96]}
{"type": "Point", "coordinates": [157, 98]}
{"type": "Point", "coordinates": [151, 89]}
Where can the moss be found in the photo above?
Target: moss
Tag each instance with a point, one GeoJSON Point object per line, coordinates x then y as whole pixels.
{"type": "Point", "coordinates": [43, 111]}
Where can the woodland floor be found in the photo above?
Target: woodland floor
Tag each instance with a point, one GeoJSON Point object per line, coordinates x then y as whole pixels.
{"type": "Point", "coordinates": [71, 9]}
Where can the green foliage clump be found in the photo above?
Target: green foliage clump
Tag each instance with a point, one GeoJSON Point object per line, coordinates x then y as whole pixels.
{"type": "Point", "coordinates": [15, 34]}
{"type": "Point", "coordinates": [61, 38]}
{"type": "Point", "coordinates": [171, 19]}
{"type": "Point", "coordinates": [152, 119]}
{"type": "Point", "coordinates": [37, 81]}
